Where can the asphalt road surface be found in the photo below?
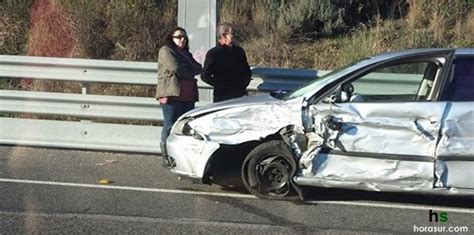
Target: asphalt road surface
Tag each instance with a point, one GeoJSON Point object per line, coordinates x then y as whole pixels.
{"type": "Point", "coordinates": [58, 191]}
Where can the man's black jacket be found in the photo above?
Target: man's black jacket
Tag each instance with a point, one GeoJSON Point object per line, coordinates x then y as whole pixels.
{"type": "Point", "coordinates": [227, 70]}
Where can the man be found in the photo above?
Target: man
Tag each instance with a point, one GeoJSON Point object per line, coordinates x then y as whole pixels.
{"type": "Point", "coordinates": [226, 67]}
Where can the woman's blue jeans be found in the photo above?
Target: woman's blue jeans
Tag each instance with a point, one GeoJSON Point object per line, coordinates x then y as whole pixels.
{"type": "Point", "coordinates": [171, 112]}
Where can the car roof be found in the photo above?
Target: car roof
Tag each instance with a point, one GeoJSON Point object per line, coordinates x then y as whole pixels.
{"type": "Point", "coordinates": [465, 51]}
{"type": "Point", "coordinates": [414, 52]}
{"type": "Point", "coordinates": [411, 52]}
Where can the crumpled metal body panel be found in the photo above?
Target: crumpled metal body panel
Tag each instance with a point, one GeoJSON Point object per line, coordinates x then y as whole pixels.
{"type": "Point", "coordinates": [458, 131]}
{"type": "Point", "coordinates": [231, 122]}
{"type": "Point", "coordinates": [232, 103]}
{"type": "Point", "coordinates": [248, 122]}
{"type": "Point", "coordinates": [190, 154]}
{"type": "Point", "coordinates": [385, 188]}
{"type": "Point", "coordinates": [378, 146]}
{"type": "Point", "coordinates": [458, 174]}
{"type": "Point", "coordinates": [397, 128]}
{"type": "Point", "coordinates": [455, 151]}
{"type": "Point", "coordinates": [329, 170]}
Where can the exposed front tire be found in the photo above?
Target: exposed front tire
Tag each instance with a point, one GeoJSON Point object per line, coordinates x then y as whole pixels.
{"type": "Point", "coordinates": [267, 170]}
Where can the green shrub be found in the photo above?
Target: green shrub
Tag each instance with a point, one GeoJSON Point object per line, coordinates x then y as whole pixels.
{"type": "Point", "coordinates": [290, 19]}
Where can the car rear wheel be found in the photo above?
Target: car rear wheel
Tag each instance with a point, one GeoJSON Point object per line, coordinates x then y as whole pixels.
{"type": "Point", "coordinates": [267, 170]}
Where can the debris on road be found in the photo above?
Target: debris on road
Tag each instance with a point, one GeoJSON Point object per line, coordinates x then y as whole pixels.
{"type": "Point", "coordinates": [105, 181]}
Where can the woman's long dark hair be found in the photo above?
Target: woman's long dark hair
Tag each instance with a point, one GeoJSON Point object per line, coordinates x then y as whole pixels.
{"type": "Point", "coordinates": [169, 39]}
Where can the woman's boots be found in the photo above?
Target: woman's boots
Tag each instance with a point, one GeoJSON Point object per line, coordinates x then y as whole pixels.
{"type": "Point", "coordinates": [168, 161]}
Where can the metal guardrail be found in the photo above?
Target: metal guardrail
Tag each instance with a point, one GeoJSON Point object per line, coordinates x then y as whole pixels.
{"type": "Point", "coordinates": [83, 133]}
{"type": "Point", "coordinates": [86, 134]}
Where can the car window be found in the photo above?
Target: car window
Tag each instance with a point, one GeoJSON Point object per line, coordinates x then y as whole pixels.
{"type": "Point", "coordinates": [393, 83]}
{"type": "Point", "coordinates": [317, 84]}
{"type": "Point", "coordinates": [462, 87]}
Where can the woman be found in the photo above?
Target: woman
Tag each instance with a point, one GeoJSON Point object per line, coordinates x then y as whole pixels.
{"type": "Point", "coordinates": [177, 88]}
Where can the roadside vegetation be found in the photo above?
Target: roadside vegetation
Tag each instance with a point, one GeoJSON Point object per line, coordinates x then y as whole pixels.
{"type": "Point", "coordinates": [328, 34]}
{"type": "Point", "coordinates": [318, 34]}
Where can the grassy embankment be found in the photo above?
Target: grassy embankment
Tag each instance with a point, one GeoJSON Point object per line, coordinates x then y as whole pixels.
{"type": "Point", "coordinates": [278, 38]}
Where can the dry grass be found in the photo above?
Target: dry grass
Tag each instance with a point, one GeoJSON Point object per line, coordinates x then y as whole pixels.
{"type": "Point", "coordinates": [321, 54]}
{"type": "Point", "coordinates": [138, 29]}
{"type": "Point", "coordinates": [441, 23]}
{"type": "Point", "coordinates": [14, 19]}
{"type": "Point", "coordinates": [121, 30]}
{"type": "Point", "coordinates": [51, 32]}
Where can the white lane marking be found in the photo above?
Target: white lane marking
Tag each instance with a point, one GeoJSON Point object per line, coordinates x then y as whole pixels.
{"type": "Point", "coordinates": [158, 190]}
{"type": "Point", "coordinates": [176, 221]}
{"type": "Point", "coordinates": [235, 195]}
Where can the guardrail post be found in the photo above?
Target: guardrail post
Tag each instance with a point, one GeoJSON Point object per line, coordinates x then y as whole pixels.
{"type": "Point", "coordinates": [85, 87]}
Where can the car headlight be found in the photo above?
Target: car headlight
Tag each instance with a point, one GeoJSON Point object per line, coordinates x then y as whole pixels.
{"type": "Point", "coordinates": [182, 128]}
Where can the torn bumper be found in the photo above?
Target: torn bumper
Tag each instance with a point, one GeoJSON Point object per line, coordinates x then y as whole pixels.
{"type": "Point", "coordinates": [191, 155]}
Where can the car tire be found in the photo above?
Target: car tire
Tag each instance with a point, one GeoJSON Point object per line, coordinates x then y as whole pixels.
{"type": "Point", "coordinates": [268, 169]}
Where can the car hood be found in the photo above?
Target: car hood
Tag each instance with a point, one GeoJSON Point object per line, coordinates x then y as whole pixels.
{"type": "Point", "coordinates": [245, 119]}
{"type": "Point", "coordinates": [239, 102]}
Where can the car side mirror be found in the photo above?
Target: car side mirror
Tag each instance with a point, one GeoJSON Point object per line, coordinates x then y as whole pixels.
{"type": "Point", "coordinates": [330, 99]}
{"type": "Point", "coordinates": [341, 95]}
{"type": "Point", "coordinates": [278, 93]}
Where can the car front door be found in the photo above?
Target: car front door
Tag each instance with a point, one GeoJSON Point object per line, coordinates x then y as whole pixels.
{"type": "Point", "coordinates": [382, 131]}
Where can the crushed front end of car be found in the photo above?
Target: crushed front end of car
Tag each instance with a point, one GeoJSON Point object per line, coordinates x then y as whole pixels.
{"type": "Point", "coordinates": [212, 134]}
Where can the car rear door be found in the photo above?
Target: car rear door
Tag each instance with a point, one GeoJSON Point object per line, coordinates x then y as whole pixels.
{"type": "Point", "coordinates": [455, 151]}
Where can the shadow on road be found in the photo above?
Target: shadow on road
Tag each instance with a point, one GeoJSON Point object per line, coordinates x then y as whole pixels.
{"type": "Point", "coordinates": [228, 178]}
{"type": "Point", "coordinates": [324, 194]}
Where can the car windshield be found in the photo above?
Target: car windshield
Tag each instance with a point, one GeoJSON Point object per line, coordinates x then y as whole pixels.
{"type": "Point", "coordinates": [320, 82]}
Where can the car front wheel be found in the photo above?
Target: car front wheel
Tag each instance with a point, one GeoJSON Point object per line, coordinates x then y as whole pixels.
{"type": "Point", "coordinates": [267, 170]}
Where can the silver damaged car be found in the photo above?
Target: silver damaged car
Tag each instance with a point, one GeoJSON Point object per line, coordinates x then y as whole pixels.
{"type": "Point", "coordinates": [400, 121]}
